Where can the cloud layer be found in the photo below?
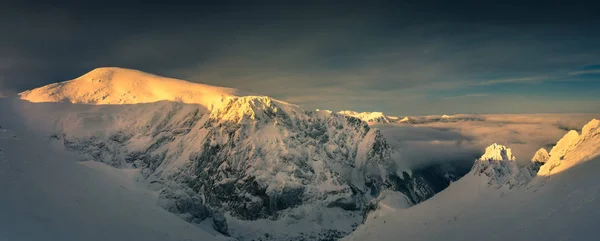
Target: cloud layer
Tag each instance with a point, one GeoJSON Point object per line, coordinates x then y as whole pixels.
{"type": "Point", "coordinates": [463, 142]}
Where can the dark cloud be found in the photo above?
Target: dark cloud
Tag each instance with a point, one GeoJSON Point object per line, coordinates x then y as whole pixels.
{"type": "Point", "coordinates": [338, 55]}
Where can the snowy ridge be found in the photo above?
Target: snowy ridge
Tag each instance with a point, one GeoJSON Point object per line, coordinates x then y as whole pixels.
{"type": "Point", "coordinates": [112, 85]}
{"type": "Point", "coordinates": [442, 118]}
{"type": "Point", "coordinates": [573, 147]}
{"type": "Point", "coordinates": [381, 118]}
{"type": "Point", "coordinates": [376, 117]}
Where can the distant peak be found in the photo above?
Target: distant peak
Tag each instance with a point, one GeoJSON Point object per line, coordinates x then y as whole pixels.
{"type": "Point", "coordinates": [378, 117]}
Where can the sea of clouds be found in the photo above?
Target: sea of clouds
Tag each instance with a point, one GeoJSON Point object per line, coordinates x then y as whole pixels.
{"type": "Point", "coordinates": [463, 141]}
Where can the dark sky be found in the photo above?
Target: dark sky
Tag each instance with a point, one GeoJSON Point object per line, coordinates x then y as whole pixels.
{"type": "Point", "coordinates": [400, 57]}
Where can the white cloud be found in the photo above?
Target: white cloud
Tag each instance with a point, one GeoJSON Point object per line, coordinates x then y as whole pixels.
{"type": "Point", "coordinates": [534, 79]}
{"type": "Point", "coordinates": [468, 95]}
{"type": "Point", "coordinates": [583, 72]}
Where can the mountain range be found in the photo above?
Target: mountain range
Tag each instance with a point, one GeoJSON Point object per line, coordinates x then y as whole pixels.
{"type": "Point", "coordinates": [257, 168]}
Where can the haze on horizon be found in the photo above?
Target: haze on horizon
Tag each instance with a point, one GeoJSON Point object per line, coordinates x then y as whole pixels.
{"type": "Point", "coordinates": [398, 58]}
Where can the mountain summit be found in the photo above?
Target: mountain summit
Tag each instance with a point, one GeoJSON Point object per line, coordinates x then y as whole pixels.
{"type": "Point", "coordinates": [502, 169]}
{"type": "Point", "coordinates": [113, 85]}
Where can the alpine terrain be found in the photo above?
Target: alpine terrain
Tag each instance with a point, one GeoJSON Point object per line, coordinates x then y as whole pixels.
{"type": "Point", "coordinates": [252, 167]}
{"type": "Point", "coordinates": [551, 197]}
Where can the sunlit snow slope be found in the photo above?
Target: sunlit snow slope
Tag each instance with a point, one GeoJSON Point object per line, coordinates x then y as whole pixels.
{"type": "Point", "coordinates": [112, 85]}
{"type": "Point", "coordinates": [560, 203]}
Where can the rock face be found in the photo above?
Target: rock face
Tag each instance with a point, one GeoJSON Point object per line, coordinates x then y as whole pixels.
{"type": "Point", "coordinates": [238, 160]}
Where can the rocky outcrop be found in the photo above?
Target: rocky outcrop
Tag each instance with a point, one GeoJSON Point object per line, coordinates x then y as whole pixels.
{"type": "Point", "coordinates": [501, 168]}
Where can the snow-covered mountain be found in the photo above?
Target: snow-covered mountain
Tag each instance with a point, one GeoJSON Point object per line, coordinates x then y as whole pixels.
{"type": "Point", "coordinates": [560, 199]}
{"type": "Point", "coordinates": [112, 85]}
{"type": "Point", "coordinates": [259, 168]}
{"type": "Point", "coordinates": [381, 118]}
{"type": "Point", "coordinates": [502, 169]}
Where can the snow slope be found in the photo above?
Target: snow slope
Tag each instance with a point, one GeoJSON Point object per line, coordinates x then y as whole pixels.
{"type": "Point", "coordinates": [558, 204]}
{"type": "Point", "coordinates": [47, 195]}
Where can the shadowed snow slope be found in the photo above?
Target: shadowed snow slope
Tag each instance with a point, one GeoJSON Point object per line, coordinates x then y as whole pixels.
{"type": "Point", "coordinates": [111, 85]}
{"type": "Point", "coordinates": [47, 195]}
{"type": "Point", "coordinates": [555, 205]}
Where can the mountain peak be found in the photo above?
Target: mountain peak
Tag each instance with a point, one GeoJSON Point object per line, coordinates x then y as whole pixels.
{"type": "Point", "coordinates": [496, 152]}
{"type": "Point", "coordinates": [501, 168]}
{"type": "Point", "coordinates": [117, 74]}
{"type": "Point", "coordinates": [114, 85]}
